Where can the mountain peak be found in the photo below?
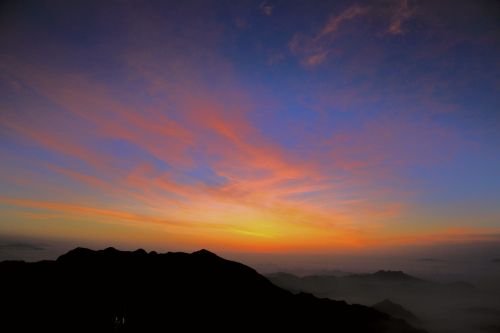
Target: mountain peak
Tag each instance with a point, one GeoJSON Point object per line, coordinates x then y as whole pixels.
{"type": "Point", "coordinates": [79, 252]}
{"type": "Point", "coordinates": [140, 252]}
{"type": "Point", "coordinates": [387, 302]}
{"type": "Point", "coordinates": [205, 253]}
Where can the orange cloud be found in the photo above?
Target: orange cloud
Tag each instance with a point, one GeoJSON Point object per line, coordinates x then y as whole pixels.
{"type": "Point", "coordinates": [269, 196]}
{"type": "Point", "coordinates": [269, 193]}
{"type": "Point", "coordinates": [55, 142]}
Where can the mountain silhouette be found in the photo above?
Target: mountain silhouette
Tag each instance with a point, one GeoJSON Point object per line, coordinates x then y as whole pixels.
{"type": "Point", "coordinates": [395, 310]}
{"type": "Point", "coordinates": [366, 288]}
{"type": "Point", "coordinates": [430, 301]}
{"type": "Point", "coordinates": [110, 290]}
{"type": "Point", "coordinates": [387, 275]}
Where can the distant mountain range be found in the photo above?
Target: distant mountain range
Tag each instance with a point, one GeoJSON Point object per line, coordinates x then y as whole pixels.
{"type": "Point", "coordinates": [367, 288]}
{"type": "Point", "coordinates": [390, 276]}
{"type": "Point", "coordinates": [443, 307]}
{"type": "Point", "coordinates": [395, 310]}
{"type": "Point", "coordinates": [111, 291]}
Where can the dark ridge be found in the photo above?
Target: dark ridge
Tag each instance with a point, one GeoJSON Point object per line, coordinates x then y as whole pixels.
{"type": "Point", "coordinates": [387, 275]}
{"type": "Point", "coordinates": [78, 253]}
{"type": "Point", "coordinates": [205, 253]}
{"type": "Point", "coordinates": [282, 275]}
{"type": "Point", "coordinates": [140, 252]}
{"type": "Point", "coordinates": [461, 285]}
{"type": "Point", "coordinates": [111, 290]}
{"type": "Point", "coordinates": [394, 275]}
{"type": "Point", "coordinates": [395, 310]}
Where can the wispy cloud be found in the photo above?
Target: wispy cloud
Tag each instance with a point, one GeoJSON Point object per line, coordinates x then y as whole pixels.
{"type": "Point", "coordinates": [315, 49]}
{"type": "Point", "coordinates": [266, 187]}
{"type": "Point", "coordinates": [170, 134]}
{"type": "Point", "coordinates": [400, 16]}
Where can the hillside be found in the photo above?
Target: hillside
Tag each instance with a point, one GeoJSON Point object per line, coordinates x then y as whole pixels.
{"type": "Point", "coordinates": [111, 290]}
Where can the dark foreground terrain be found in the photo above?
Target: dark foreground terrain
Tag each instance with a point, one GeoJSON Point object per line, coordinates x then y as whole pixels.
{"type": "Point", "coordinates": [111, 290]}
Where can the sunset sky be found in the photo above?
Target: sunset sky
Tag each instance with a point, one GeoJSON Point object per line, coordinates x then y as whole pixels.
{"type": "Point", "coordinates": [250, 126]}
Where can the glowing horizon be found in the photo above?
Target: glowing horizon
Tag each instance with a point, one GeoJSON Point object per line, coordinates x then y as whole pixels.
{"type": "Point", "coordinates": [260, 127]}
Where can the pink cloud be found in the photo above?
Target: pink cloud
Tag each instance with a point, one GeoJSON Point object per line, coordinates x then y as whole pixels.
{"type": "Point", "coordinates": [333, 24]}
{"type": "Point", "coordinates": [269, 191]}
{"type": "Point", "coordinates": [315, 49]}
{"type": "Point", "coordinates": [401, 15]}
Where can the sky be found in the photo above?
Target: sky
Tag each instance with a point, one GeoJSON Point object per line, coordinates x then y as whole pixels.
{"type": "Point", "coordinates": [250, 126]}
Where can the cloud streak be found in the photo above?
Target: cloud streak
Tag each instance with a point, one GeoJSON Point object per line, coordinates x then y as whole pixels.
{"type": "Point", "coordinates": [193, 133]}
{"type": "Point", "coordinates": [315, 49]}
